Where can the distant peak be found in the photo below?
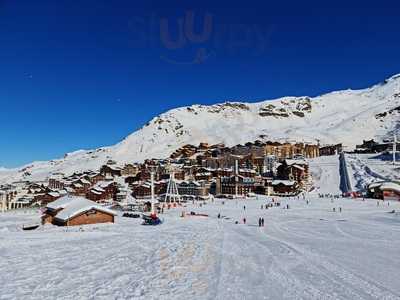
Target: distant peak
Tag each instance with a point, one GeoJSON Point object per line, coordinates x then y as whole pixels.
{"type": "Point", "coordinates": [393, 78]}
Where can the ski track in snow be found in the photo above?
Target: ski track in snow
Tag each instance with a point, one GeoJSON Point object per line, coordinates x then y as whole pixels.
{"type": "Point", "coordinates": [305, 252]}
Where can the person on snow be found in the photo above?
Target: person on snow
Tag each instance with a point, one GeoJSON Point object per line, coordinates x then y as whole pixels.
{"type": "Point", "coordinates": [259, 222]}
{"type": "Point", "coordinates": [219, 216]}
{"type": "Point", "coordinates": [244, 207]}
{"type": "Point", "coordinates": [244, 220]}
{"type": "Point", "coordinates": [262, 222]}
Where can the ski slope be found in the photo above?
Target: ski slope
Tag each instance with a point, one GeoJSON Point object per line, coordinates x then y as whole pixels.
{"type": "Point", "coordinates": [325, 174]}
{"type": "Point", "coordinates": [367, 168]}
{"type": "Point", "coordinates": [346, 117]}
{"type": "Point", "coordinates": [306, 252]}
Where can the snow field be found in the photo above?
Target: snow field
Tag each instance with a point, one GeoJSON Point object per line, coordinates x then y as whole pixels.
{"type": "Point", "coordinates": [306, 252]}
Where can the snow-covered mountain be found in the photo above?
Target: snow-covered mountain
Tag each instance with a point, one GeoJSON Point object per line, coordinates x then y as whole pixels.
{"type": "Point", "coordinates": [345, 117]}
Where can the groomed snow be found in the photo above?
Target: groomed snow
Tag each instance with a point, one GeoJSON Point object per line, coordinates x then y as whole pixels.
{"type": "Point", "coordinates": [368, 168]}
{"type": "Point", "coordinates": [306, 252]}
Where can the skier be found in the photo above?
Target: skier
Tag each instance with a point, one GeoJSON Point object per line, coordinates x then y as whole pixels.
{"type": "Point", "coordinates": [219, 216]}
{"type": "Point", "coordinates": [262, 222]}
{"type": "Point", "coordinates": [287, 206]}
{"type": "Point", "coordinates": [334, 209]}
{"type": "Point", "coordinates": [244, 220]}
{"type": "Point", "coordinates": [244, 207]}
{"type": "Point", "coordinates": [259, 222]}
{"type": "Point", "coordinates": [340, 209]}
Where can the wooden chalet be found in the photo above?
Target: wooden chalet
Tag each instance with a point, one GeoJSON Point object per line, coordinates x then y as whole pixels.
{"type": "Point", "coordinates": [74, 211]}
{"type": "Point", "coordinates": [285, 187]}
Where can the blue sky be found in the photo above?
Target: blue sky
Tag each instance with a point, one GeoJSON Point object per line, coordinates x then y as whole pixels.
{"type": "Point", "coordinates": [84, 74]}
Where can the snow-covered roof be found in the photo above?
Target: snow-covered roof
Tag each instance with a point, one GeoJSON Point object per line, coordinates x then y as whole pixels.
{"type": "Point", "coordinates": [69, 189]}
{"type": "Point", "coordinates": [104, 184]}
{"type": "Point", "coordinates": [60, 203]}
{"type": "Point", "coordinates": [203, 174]}
{"type": "Point", "coordinates": [54, 194]}
{"type": "Point", "coordinates": [375, 184]}
{"type": "Point", "coordinates": [296, 162]}
{"type": "Point", "coordinates": [84, 181]}
{"type": "Point", "coordinates": [94, 191]}
{"type": "Point", "coordinates": [73, 206]}
{"type": "Point", "coordinates": [284, 182]}
{"type": "Point", "coordinates": [390, 186]}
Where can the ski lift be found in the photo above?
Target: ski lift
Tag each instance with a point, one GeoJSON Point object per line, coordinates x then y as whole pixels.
{"type": "Point", "coordinates": [152, 219]}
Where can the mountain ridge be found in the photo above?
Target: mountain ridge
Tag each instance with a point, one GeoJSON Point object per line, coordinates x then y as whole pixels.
{"type": "Point", "coordinates": [346, 116]}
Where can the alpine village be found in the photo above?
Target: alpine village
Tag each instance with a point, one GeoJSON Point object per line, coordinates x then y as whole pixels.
{"type": "Point", "coordinates": [191, 173]}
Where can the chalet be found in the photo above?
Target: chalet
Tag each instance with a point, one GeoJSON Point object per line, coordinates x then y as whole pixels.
{"type": "Point", "coordinates": [329, 150]}
{"type": "Point", "coordinates": [285, 187]}
{"type": "Point", "coordinates": [130, 170]}
{"type": "Point", "coordinates": [48, 197]}
{"type": "Point", "coordinates": [102, 191]}
{"type": "Point", "coordinates": [95, 178]}
{"type": "Point", "coordinates": [131, 179]}
{"type": "Point", "coordinates": [386, 190]}
{"type": "Point", "coordinates": [204, 174]}
{"type": "Point", "coordinates": [295, 170]}
{"type": "Point", "coordinates": [193, 190]}
{"type": "Point", "coordinates": [143, 190]}
{"type": "Point", "coordinates": [110, 170]}
{"type": "Point", "coordinates": [288, 150]}
{"type": "Point", "coordinates": [185, 151]}
{"type": "Point", "coordinates": [236, 185]}
{"type": "Point", "coordinates": [7, 195]}
{"type": "Point", "coordinates": [56, 183]}
{"type": "Point", "coordinates": [144, 175]}
{"type": "Point", "coordinates": [178, 175]}
{"type": "Point", "coordinates": [370, 146]}
{"type": "Point", "coordinates": [223, 172]}
{"type": "Point", "coordinates": [247, 173]}
{"type": "Point", "coordinates": [72, 211]}
{"type": "Point", "coordinates": [81, 186]}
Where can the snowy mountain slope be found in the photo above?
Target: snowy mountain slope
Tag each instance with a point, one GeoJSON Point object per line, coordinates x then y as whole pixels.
{"type": "Point", "coordinates": [345, 117]}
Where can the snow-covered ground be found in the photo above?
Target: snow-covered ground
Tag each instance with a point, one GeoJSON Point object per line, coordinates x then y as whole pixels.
{"type": "Point", "coordinates": [367, 168]}
{"type": "Point", "coordinates": [345, 117]}
{"type": "Point", "coordinates": [325, 174]}
{"type": "Point", "coordinates": [305, 252]}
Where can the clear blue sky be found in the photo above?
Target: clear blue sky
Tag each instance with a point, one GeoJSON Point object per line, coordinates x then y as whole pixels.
{"type": "Point", "coordinates": [83, 74]}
